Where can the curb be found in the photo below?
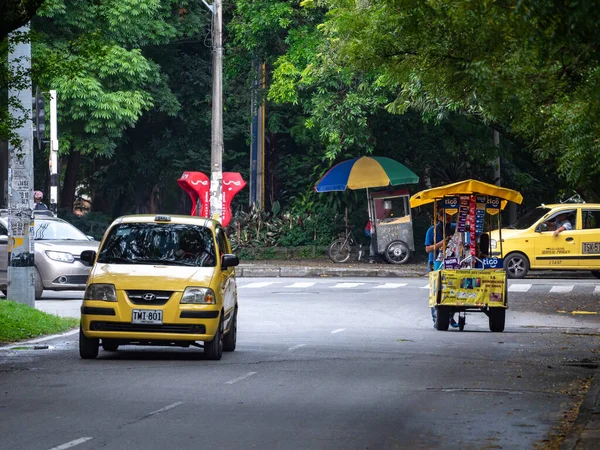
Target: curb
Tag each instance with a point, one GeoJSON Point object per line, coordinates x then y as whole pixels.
{"type": "Point", "coordinates": [38, 340]}
{"type": "Point", "coordinates": [317, 272]}
{"type": "Point", "coordinates": [585, 432]}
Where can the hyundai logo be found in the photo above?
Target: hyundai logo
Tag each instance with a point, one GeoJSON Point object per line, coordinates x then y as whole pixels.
{"type": "Point", "coordinates": [149, 297]}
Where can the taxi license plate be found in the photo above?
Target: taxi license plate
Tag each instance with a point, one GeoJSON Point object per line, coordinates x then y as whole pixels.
{"type": "Point", "coordinates": [147, 316]}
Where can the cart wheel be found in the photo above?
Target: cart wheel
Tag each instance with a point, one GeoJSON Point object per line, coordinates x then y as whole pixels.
{"type": "Point", "coordinates": [497, 318]}
{"type": "Point", "coordinates": [461, 321]}
{"type": "Point", "coordinates": [442, 318]}
{"type": "Point", "coordinates": [339, 251]}
{"type": "Point", "coordinates": [397, 252]}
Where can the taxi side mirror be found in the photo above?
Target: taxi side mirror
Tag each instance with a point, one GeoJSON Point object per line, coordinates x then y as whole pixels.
{"type": "Point", "coordinates": [229, 260]}
{"type": "Point", "coordinates": [88, 257]}
{"type": "Point", "coordinates": [542, 227]}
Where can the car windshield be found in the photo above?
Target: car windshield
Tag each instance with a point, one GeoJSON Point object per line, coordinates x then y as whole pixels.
{"type": "Point", "coordinates": [528, 219]}
{"type": "Point", "coordinates": [159, 243]}
{"type": "Point", "coordinates": [57, 230]}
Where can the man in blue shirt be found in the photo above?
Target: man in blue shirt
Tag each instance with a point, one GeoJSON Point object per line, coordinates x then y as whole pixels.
{"type": "Point", "coordinates": [432, 247]}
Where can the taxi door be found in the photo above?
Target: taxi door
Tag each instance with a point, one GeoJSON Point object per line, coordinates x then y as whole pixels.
{"type": "Point", "coordinates": [556, 252]}
{"type": "Point", "coordinates": [227, 277]}
{"type": "Point", "coordinates": [590, 238]}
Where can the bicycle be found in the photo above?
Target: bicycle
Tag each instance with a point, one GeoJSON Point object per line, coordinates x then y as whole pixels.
{"type": "Point", "coordinates": [341, 248]}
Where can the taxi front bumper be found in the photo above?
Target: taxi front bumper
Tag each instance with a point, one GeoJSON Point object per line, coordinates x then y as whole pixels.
{"type": "Point", "coordinates": [101, 319]}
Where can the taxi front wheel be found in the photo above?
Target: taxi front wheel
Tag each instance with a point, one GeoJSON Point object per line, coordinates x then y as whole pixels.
{"type": "Point", "coordinates": [214, 349]}
{"type": "Point", "coordinates": [596, 273]}
{"type": "Point", "coordinates": [517, 265]}
{"type": "Point", "coordinates": [88, 347]}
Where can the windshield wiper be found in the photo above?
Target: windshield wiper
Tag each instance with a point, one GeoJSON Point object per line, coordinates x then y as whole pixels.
{"type": "Point", "coordinates": [157, 261]}
{"type": "Point", "coordinates": [113, 259]}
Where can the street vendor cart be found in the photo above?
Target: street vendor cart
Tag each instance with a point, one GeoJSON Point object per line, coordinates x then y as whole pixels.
{"type": "Point", "coordinates": [467, 278]}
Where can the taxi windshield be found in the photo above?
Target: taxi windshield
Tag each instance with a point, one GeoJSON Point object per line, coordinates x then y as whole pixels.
{"type": "Point", "coordinates": [159, 243]}
{"type": "Point", "coordinates": [528, 219]}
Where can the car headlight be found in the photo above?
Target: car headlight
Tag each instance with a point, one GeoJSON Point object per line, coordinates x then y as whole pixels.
{"type": "Point", "coordinates": [103, 292]}
{"type": "Point", "coordinates": [60, 256]}
{"type": "Point", "coordinates": [493, 244]}
{"type": "Point", "coordinates": [198, 295]}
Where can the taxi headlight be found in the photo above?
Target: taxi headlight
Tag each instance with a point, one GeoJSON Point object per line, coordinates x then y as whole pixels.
{"type": "Point", "coordinates": [493, 244]}
{"type": "Point", "coordinates": [60, 256]}
{"type": "Point", "coordinates": [102, 292]}
{"type": "Point", "coordinates": [199, 296]}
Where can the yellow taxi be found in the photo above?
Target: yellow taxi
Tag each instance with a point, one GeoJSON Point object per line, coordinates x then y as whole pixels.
{"type": "Point", "coordinates": [160, 280]}
{"type": "Point", "coordinates": [562, 236]}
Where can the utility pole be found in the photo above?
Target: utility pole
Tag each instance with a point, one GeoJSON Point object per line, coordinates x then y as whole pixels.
{"type": "Point", "coordinates": [496, 162]}
{"type": "Point", "coordinates": [216, 145]}
{"type": "Point", "coordinates": [21, 264]}
{"type": "Point", "coordinates": [53, 163]}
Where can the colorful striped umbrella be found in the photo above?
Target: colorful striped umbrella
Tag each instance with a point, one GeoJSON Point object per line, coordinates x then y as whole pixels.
{"type": "Point", "coordinates": [365, 172]}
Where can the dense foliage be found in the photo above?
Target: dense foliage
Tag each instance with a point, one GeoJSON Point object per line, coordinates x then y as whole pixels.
{"type": "Point", "coordinates": [423, 82]}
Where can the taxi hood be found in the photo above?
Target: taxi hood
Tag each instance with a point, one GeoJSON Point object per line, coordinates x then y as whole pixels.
{"type": "Point", "coordinates": [507, 233]}
{"type": "Point", "coordinates": [151, 276]}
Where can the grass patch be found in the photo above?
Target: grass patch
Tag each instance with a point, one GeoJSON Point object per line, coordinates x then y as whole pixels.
{"type": "Point", "coordinates": [19, 322]}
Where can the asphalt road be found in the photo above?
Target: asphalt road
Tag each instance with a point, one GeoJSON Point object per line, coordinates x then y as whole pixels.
{"type": "Point", "coordinates": [320, 364]}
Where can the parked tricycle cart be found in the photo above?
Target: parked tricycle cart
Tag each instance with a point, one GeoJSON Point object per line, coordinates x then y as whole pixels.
{"type": "Point", "coordinates": [466, 278]}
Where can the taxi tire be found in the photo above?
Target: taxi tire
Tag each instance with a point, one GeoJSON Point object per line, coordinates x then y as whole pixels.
{"type": "Point", "coordinates": [39, 287]}
{"type": "Point", "coordinates": [497, 319]}
{"type": "Point", "coordinates": [442, 318]}
{"type": "Point", "coordinates": [109, 345]}
{"type": "Point", "coordinates": [88, 347]}
{"type": "Point", "coordinates": [230, 339]}
{"type": "Point", "coordinates": [596, 273]}
{"type": "Point", "coordinates": [213, 350]}
{"type": "Point", "coordinates": [516, 257]}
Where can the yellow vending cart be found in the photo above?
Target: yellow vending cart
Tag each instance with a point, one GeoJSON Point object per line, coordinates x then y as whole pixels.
{"type": "Point", "coordinates": [467, 278]}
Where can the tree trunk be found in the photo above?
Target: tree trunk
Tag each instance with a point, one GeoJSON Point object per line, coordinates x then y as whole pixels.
{"type": "Point", "coordinates": [70, 183]}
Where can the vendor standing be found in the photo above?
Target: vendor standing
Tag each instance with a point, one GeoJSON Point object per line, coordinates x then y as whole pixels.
{"type": "Point", "coordinates": [434, 242]}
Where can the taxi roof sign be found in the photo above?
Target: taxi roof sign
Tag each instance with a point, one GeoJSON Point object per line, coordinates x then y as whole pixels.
{"type": "Point", "coordinates": [162, 219]}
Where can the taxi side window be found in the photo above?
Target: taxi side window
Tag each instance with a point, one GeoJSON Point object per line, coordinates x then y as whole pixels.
{"type": "Point", "coordinates": [222, 241]}
{"type": "Point", "coordinates": [591, 219]}
{"type": "Point", "coordinates": [551, 223]}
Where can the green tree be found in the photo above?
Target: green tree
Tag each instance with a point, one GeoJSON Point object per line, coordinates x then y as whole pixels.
{"type": "Point", "coordinates": [530, 68]}
{"type": "Point", "coordinates": [95, 60]}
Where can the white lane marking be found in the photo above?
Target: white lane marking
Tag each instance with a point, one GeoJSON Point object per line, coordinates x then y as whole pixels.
{"type": "Point", "coordinates": [597, 290]}
{"type": "Point", "coordinates": [166, 408]}
{"type": "Point", "coordinates": [47, 338]}
{"type": "Point", "coordinates": [72, 443]}
{"type": "Point", "coordinates": [301, 284]}
{"type": "Point", "coordinates": [390, 285]}
{"type": "Point", "coordinates": [424, 287]}
{"type": "Point", "coordinates": [557, 289]}
{"type": "Point", "coordinates": [346, 285]}
{"type": "Point", "coordinates": [295, 347]}
{"type": "Point", "coordinates": [243, 377]}
{"type": "Point", "coordinates": [519, 287]}
{"type": "Point", "coordinates": [259, 284]}
{"type": "Point", "coordinates": [339, 330]}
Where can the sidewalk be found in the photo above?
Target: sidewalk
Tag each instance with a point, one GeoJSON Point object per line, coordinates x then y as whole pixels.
{"type": "Point", "coordinates": [322, 267]}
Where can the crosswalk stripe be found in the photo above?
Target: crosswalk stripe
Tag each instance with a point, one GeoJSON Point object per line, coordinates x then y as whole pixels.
{"type": "Point", "coordinates": [519, 287]}
{"type": "Point", "coordinates": [424, 287]}
{"type": "Point", "coordinates": [597, 290]}
{"type": "Point", "coordinates": [562, 289]}
{"type": "Point", "coordinates": [259, 284]}
{"type": "Point", "coordinates": [346, 285]}
{"type": "Point", "coordinates": [300, 284]}
{"type": "Point", "coordinates": [390, 285]}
